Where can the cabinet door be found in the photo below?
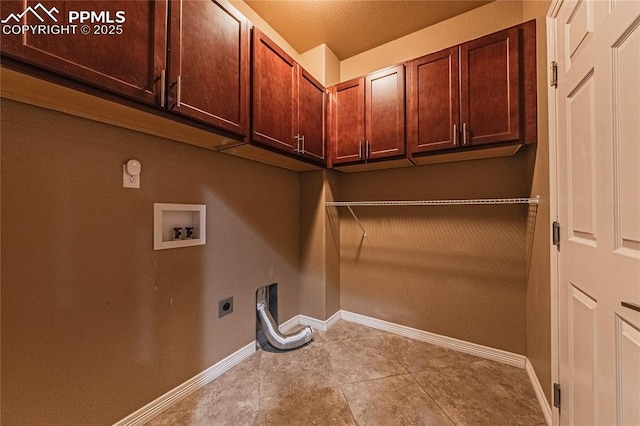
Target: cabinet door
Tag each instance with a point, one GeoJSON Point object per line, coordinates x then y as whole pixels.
{"type": "Point", "coordinates": [311, 113]}
{"type": "Point", "coordinates": [433, 115]}
{"type": "Point", "coordinates": [384, 113]}
{"type": "Point", "coordinates": [490, 95]}
{"type": "Point", "coordinates": [209, 64]}
{"type": "Point", "coordinates": [126, 57]}
{"type": "Point", "coordinates": [347, 121]}
{"type": "Point", "coordinates": [274, 75]}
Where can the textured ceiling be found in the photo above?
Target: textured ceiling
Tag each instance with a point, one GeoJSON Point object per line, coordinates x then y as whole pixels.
{"type": "Point", "coordinates": [350, 27]}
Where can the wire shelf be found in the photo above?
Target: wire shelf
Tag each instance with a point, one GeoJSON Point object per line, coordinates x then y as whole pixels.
{"type": "Point", "coordinates": [470, 202]}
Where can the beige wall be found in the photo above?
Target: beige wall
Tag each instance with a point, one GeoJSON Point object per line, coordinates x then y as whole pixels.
{"type": "Point", "coordinates": [323, 64]}
{"type": "Point", "coordinates": [81, 286]}
{"type": "Point", "coordinates": [95, 323]}
{"type": "Point", "coordinates": [527, 330]}
{"type": "Point", "coordinates": [538, 281]}
{"type": "Point", "coordinates": [319, 286]}
{"type": "Point", "coordinates": [458, 271]}
{"type": "Point", "coordinates": [476, 23]}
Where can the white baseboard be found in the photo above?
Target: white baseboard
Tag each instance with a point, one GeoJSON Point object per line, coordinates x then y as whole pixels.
{"type": "Point", "coordinates": [313, 322]}
{"type": "Point", "coordinates": [289, 324]}
{"type": "Point", "coordinates": [154, 408]}
{"type": "Point", "coordinates": [537, 388]}
{"type": "Point", "coordinates": [436, 339]}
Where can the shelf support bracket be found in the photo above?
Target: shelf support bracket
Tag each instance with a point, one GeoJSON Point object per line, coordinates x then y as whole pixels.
{"type": "Point", "coordinates": [364, 232]}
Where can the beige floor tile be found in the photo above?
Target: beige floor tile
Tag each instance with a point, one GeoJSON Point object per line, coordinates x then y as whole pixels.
{"type": "Point", "coordinates": [344, 330]}
{"type": "Point", "coordinates": [306, 407]}
{"type": "Point", "coordinates": [231, 413]}
{"type": "Point", "coordinates": [355, 371]}
{"type": "Point", "coordinates": [355, 360]}
{"type": "Point", "coordinates": [482, 392]}
{"type": "Point", "coordinates": [415, 355]}
{"type": "Point", "coordinates": [242, 382]}
{"type": "Point", "coordinates": [155, 422]}
{"type": "Point", "coordinates": [394, 400]}
{"type": "Point", "coordinates": [304, 368]}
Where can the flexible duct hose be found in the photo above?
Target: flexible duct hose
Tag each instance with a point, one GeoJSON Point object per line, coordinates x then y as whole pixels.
{"type": "Point", "coordinates": [277, 339]}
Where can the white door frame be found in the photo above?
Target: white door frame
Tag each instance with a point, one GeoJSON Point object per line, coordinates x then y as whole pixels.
{"type": "Point", "coordinates": [553, 203]}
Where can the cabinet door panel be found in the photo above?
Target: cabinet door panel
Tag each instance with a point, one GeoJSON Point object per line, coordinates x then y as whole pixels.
{"type": "Point", "coordinates": [129, 63]}
{"type": "Point", "coordinates": [385, 113]}
{"type": "Point", "coordinates": [273, 95]}
{"type": "Point", "coordinates": [347, 121]}
{"type": "Point", "coordinates": [433, 106]}
{"type": "Point", "coordinates": [490, 88]}
{"type": "Point", "coordinates": [210, 57]}
{"type": "Point", "coordinates": [311, 113]}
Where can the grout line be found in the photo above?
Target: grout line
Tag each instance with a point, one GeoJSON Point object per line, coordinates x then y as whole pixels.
{"type": "Point", "coordinates": [432, 398]}
{"type": "Point", "coordinates": [348, 405]}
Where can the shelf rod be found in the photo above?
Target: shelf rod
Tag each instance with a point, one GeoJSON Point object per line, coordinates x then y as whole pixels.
{"type": "Point", "coordinates": [534, 200]}
{"type": "Point", "coordinates": [480, 201]}
{"type": "Point", "coordinates": [364, 231]}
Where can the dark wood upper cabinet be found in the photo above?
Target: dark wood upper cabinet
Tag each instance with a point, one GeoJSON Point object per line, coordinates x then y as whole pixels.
{"type": "Point", "coordinates": [490, 89]}
{"type": "Point", "coordinates": [367, 117]}
{"type": "Point", "coordinates": [208, 69]}
{"type": "Point", "coordinates": [346, 121]}
{"type": "Point", "coordinates": [274, 77]}
{"type": "Point", "coordinates": [384, 113]}
{"type": "Point", "coordinates": [125, 58]}
{"type": "Point", "coordinates": [288, 103]}
{"type": "Point", "coordinates": [471, 94]}
{"type": "Point", "coordinates": [433, 112]}
{"type": "Point", "coordinates": [311, 107]}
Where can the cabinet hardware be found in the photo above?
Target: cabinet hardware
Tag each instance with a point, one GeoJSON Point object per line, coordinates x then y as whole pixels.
{"type": "Point", "coordinates": [455, 135]}
{"type": "Point", "coordinates": [368, 154]}
{"type": "Point", "coordinates": [554, 74]}
{"type": "Point", "coordinates": [556, 234]}
{"type": "Point", "coordinates": [178, 92]}
{"type": "Point", "coordinates": [630, 305]}
{"type": "Point", "coordinates": [163, 76]}
{"type": "Point", "coordinates": [360, 150]}
{"type": "Point", "coordinates": [465, 132]}
{"type": "Point", "coordinates": [302, 139]}
{"type": "Point", "coordinates": [297, 138]}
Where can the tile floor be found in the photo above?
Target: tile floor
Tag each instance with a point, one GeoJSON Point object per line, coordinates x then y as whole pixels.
{"type": "Point", "coordinates": [356, 375]}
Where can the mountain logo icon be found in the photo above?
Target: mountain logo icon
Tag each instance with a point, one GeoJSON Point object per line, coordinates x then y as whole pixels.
{"type": "Point", "coordinates": [38, 11]}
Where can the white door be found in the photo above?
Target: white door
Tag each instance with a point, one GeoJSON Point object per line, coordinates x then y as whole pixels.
{"type": "Point", "coordinates": [597, 104]}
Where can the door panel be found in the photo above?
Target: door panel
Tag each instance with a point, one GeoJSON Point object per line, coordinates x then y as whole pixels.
{"type": "Point", "coordinates": [489, 88]}
{"type": "Point", "coordinates": [597, 107]}
{"type": "Point", "coordinates": [433, 108]}
{"type": "Point", "coordinates": [274, 76]}
{"type": "Point", "coordinates": [579, 27]}
{"type": "Point", "coordinates": [626, 110]}
{"type": "Point", "coordinates": [311, 113]}
{"type": "Point", "coordinates": [580, 144]}
{"type": "Point", "coordinates": [583, 349]}
{"type": "Point", "coordinates": [130, 63]}
{"type": "Point", "coordinates": [210, 57]}
{"type": "Point", "coordinates": [384, 98]}
{"type": "Point", "coordinates": [628, 382]}
{"type": "Point", "coordinates": [346, 126]}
